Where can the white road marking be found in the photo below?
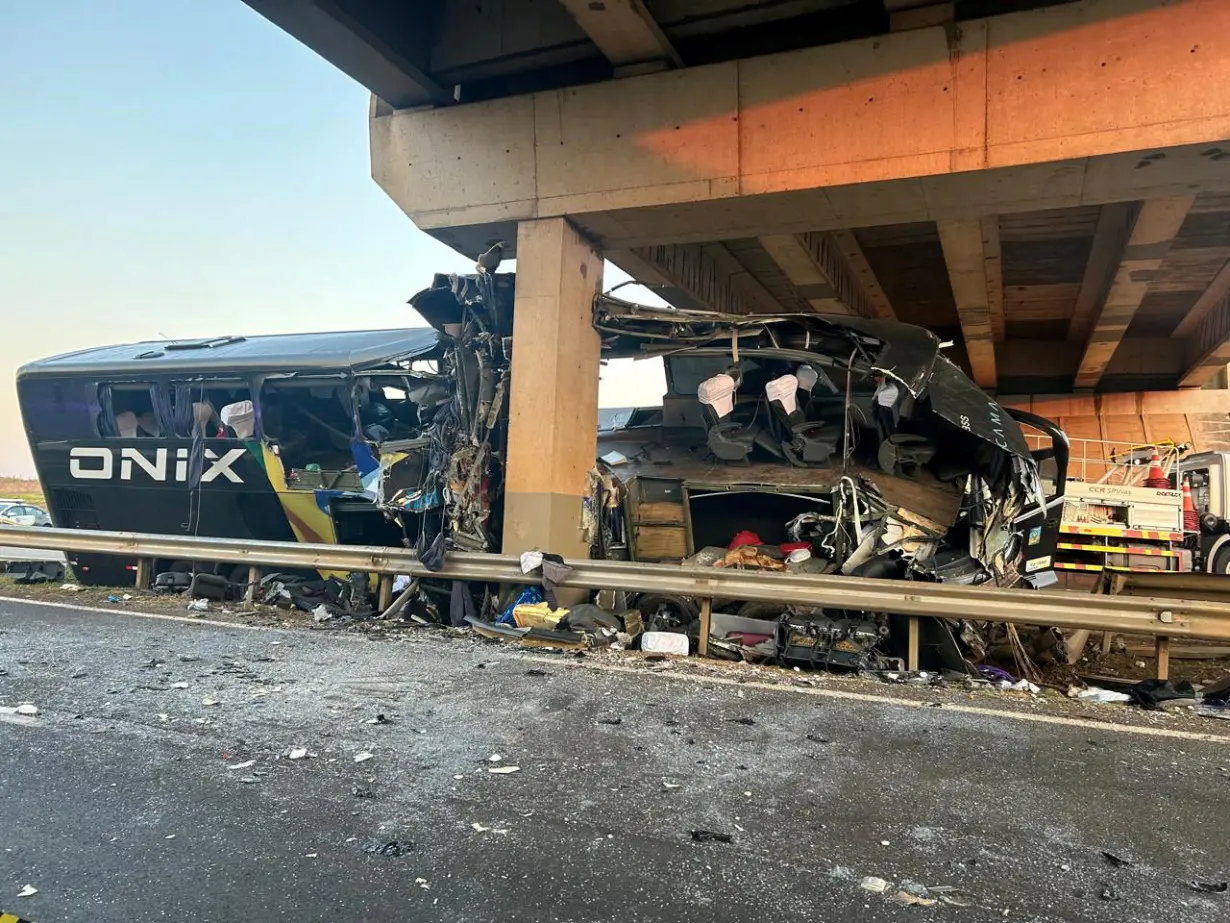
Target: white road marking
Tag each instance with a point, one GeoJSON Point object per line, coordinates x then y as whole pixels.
{"type": "Point", "coordinates": [893, 700]}
{"type": "Point", "coordinates": [710, 680]}
{"type": "Point", "coordinates": [186, 619]}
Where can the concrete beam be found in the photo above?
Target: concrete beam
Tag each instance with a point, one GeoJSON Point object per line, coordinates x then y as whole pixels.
{"type": "Point", "coordinates": [1153, 232]}
{"type": "Point", "coordinates": [919, 16]}
{"type": "Point", "coordinates": [1016, 112]}
{"type": "Point", "coordinates": [830, 272]}
{"type": "Point", "coordinates": [1208, 348]}
{"type": "Point", "coordinates": [687, 276]}
{"type": "Point", "coordinates": [993, 268]}
{"type": "Point", "coordinates": [365, 56]}
{"type": "Point", "coordinates": [1144, 356]}
{"type": "Point", "coordinates": [1212, 297]}
{"type": "Point", "coordinates": [623, 30]}
{"type": "Point", "coordinates": [961, 240]}
{"type": "Point", "coordinates": [553, 406]}
{"type": "Point", "coordinates": [744, 283]}
{"type": "Point", "coordinates": [862, 279]}
{"type": "Point", "coordinates": [1114, 226]}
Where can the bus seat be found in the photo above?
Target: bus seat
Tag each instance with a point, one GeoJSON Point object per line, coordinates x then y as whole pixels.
{"type": "Point", "coordinates": [147, 425]}
{"type": "Point", "coordinates": [126, 423]}
{"type": "Point", "coordinates": [803, 442]}
{"type": "Point", "coordinates": [729, 441]}
{"type": "Point", "coordinates": [202, 413]}
{"type": "Point", "coordinates": [241, 418]}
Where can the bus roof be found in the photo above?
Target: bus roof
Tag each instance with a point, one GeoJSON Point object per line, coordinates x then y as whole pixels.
{"type": "Point", "coordinates": [348, 350]}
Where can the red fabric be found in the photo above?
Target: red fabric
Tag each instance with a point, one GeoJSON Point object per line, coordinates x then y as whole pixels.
{"type": "Point", "coordinates": [794, 546]}
{"type": "Point", "coordinates": [745, 538]}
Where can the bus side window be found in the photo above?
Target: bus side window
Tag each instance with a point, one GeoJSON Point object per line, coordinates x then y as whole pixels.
{"type": "Point", "coordinates": [222, 410]}
{"type": "Point", "coordinates": [128, 411]}
{"type": "Point", "coordinates": [59, 409]}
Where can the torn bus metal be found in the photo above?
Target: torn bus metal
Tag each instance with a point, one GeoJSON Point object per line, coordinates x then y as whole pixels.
{"type": "Point", "coordinates": [787, 442]}
{"type": "Point", "coordinates": [818, 444]}
{"type": "Point", "coordinates": [386, 437]}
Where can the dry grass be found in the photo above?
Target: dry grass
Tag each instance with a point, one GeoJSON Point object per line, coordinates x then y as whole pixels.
{"type": "Point", "coordinates": [28, 490]}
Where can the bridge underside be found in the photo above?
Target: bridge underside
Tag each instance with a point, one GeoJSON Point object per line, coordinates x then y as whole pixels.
{"type": "Point", "coordinates": [1048, 188]}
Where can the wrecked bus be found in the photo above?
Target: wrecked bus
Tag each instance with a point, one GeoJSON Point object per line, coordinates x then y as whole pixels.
{"type": "Point", "coordinates": [817, 444]}
{"type": "Point", "coordinates": [349, 437]}
{"type": "Point", "coordinates": [797, 442]}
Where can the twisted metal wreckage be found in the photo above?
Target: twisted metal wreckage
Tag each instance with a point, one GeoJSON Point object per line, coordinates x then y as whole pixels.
{"type": "Point", "coordinates": [793, 442]}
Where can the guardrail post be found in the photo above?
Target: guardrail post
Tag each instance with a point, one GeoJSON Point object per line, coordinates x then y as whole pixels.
{"type": "Point", "coordinates": [254, 579]}
{"type": "Point", "coordinates": [706, 623]}
{"type": "Point", "coordinates": [1162, 647]}
{"type": "Point", "coordinates": [385, 597]}
{"type": "Point", "coordinates": [144, 566]}
{"type": "Point", "coordinates": [912, 649]}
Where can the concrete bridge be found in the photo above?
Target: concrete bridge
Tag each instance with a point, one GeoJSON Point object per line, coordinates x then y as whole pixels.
{"type": "Point", "coordinates": [1045, 183]}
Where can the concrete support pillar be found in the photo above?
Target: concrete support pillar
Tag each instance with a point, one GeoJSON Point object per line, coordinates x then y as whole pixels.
{"type": "Point", "coordinates": [553, 413]}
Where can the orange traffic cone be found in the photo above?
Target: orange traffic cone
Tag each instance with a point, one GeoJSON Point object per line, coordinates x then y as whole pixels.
{"type": "Point", "coordinates": [1191, 519]}
{"type": "Point", "coordinates": [1156, 479]}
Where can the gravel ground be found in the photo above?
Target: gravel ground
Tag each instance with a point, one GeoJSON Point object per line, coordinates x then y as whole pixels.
{"type": "Point", "coordinates": [125, 798]}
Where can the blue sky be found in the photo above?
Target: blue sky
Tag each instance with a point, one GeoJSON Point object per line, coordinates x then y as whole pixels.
{"type": "Point", "coordinates": [183, 167]}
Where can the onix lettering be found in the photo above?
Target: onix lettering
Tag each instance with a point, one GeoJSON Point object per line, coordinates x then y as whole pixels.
{"type": "Point", "coordinates": [98, 464]}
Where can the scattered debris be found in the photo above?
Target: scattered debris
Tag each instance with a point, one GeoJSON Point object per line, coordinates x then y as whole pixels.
{"type": "Point", "coordinates": [1098, 695]}
{"type": "Point", "coordinates": [422, 883]}
{"type": "Point", "coordinates": [1116, 861]}
{"type": "Point", "coordinates": [1210, 887]}
{"type": "Point", "coordinates": [537, 673]}
{"type": "Point", "coordinates": [873, 884]}
{"type": "Point", "coordinates": [198, 605]}
{"type": "Point", "coordinates": [710, 836]}
{"type": "Point", "coordinates": [321, 614]}
{"type": "Point", "coordinates": [363, 756]}
{"type": "Point", "coordinates": [208, 701]}
{"type": "Point", "coordinates": [1108, 894]}
{"type": "Point", "coordinates": [179, 685]}
{"type": "Point", "coordinates": [665, 642]}
{"type": "Point", "coordinates": [906, 897]}
{"type": "Point", "coordinates": [30, 890]}
{"type": "Point", "coordinates": [379, 719]}
{"type": "Point", "coordinates": [391, 849]}
{"type": "Point", "coordinates": [70, 588]}
{"type": "Point", "coordinates": [748, 722]}
{"type": "Point", "coordinates": [27, 709]}
{"type": "Point", "coordinates": [613, 721]}
{"type": "Point", "coordinates": [362, 792]}
{"type": "Point", "coordinates": [671, 785]}
{"type": "Point", "coordinates": [298, 753]}
{"type": "Point", "coordinates": [244, 765]}
{"type": "Point", "coordinates": [503, 770]}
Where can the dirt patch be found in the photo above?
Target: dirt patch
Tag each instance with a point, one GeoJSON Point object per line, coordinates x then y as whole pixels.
{"type": "Point", "coordinates": [27, 490]}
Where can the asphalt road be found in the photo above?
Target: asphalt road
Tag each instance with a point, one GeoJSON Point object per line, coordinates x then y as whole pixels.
{"type": "Point", "coordinates": [123, 800]}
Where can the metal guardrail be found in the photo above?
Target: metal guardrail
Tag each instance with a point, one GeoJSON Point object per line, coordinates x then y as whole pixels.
{"type": "Point", "coordinates": [1160, 617]}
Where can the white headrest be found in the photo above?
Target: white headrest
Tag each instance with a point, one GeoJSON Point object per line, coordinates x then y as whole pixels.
{"type": "Point", "coordinates": [202, 412]}
{"type": "Point", "coordinates": [240, 417]}
{"type": "Point", "coordinates": [126, 423]}
{"type": "Point", "coordinates": [718, 392]}
{"type": "Point", "coordinates": [807, 377]}
{"type": "Point", "coordinates": [784, 389]}
{"type": "Point", "coordinates": [886, 393]}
